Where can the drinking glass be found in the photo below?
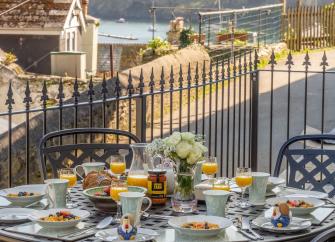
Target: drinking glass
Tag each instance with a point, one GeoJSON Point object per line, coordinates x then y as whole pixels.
{"type": "Point", "coordinates": [210, 167]}
{"type": "Point", "coordinates": [68, 174]}
{"type": "Point", "coordinates": [118, 165]}
{"type": "Point", "coordinates": [243, 179]}
{"type": "Point", "coordinates": [118, 186]}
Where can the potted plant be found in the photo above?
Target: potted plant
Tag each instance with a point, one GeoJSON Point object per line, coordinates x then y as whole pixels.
{"type": "Point", "coordinates": [226, 35]}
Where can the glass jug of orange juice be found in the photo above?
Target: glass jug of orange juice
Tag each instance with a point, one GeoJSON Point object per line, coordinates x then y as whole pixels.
{"type": "Point", "coordinates": [141, 163]}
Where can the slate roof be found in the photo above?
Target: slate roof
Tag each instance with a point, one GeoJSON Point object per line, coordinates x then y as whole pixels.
{"type": "Point", "coordinates": [34, 14]}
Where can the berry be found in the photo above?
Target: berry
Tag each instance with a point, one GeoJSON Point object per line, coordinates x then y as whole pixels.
{"type": "Point", "coordinates": [107, 190]}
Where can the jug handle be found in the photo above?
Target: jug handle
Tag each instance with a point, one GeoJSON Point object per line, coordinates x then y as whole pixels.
{"type": "Point", "coordinates": [157, 157]}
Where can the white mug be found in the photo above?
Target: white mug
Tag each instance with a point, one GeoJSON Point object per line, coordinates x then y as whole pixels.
{"type": "Point", "coordinates": [132, 203]}
{"type": "Point", "coordinates": [56, 192]}
{"type": "Point", "coordinates": [88, 167]}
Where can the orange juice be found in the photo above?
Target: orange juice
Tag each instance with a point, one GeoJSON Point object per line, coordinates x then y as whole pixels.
{"type": "Point", "coordinates": [138, 180]}
{"type": "Point", "coordinates": [72, 178]}
{"type": "Point", "coordinates": [118, 167]}
{"type": "Point", "coordinates": [243, 181]}
{"type": "Point", "coordinates": [115, 191]}
{"type": "Point", "coordinates": [221, 187]}
{"type": "Point", "coordinates": [209, 168]}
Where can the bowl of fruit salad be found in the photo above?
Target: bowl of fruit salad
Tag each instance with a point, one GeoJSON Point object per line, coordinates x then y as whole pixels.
{"type": "Point", "coordinates": [24, 195]}
{"type": "Point", "coordinates": [298, 205]}
{"type": "Point", "coordinates": [59, 218]}
{"type": "Point", "coordinates": [102, 200]}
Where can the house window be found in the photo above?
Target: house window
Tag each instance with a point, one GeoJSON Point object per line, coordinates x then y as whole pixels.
{"type": "Point", "coordinates": [71, 41]}
{"type": "Point", "coordinates": [74, 47]}
{"type": "Point", "coordinates": [68, 41]}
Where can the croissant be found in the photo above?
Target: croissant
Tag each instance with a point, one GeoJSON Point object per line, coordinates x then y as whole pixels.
{"type": "Point", "coordinates": [96, 179]}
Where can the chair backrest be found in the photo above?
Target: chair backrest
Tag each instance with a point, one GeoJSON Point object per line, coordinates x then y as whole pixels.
{"type": "Point", "coordinates": [328, 235]}
{"type": "Point", "coordinates": [313, 167]}
{"type": "Point", "coordinates": [80, 152]}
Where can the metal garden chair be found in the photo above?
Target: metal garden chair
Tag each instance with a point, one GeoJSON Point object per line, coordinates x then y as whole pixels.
{"type": "Point", "coordinates": [56, 155]}
{"type": "Point", "coordinates": [314, 167]}
{"type": "Point", "coordinates": [328, 235]}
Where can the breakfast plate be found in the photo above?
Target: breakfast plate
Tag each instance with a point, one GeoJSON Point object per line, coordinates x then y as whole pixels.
{"type": "Point", "coordinates": [103, 201]}
{"type": "Point", "coordinates": [23, 195]}
{"type": "Point", "coordinates": [298, 205]}
{"type": "Point", "coordinates": [15, 215]}
{"type": "Point", "coordinates": [297, 224]}
{"type": "Point", "coordinates": [111, 235]}
{"type": "Point", "coordinates": [291, 191]}
{"type": "Point", "coordinates": [196, 225]}
{"type": "Point", "coordinates": [274, 182]}
{"type": "Point", "coordinates": [58, 218]}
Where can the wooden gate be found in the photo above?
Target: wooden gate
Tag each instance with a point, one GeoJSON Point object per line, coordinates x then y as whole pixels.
{"type": "Point", "coordinates": [309, 27]}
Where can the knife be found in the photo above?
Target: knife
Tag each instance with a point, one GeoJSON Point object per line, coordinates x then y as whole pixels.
{"type": "Point", "coordinates": [249, 236]}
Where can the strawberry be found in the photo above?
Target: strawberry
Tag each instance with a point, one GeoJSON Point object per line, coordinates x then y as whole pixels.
{"type": "Point", "coordinates": [65, 213]}
{"type": "Point", "coordinates": [107, 190]}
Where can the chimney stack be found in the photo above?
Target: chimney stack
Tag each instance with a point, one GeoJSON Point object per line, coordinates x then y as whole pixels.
{"type": "Point", "coordinates": [84, 5]}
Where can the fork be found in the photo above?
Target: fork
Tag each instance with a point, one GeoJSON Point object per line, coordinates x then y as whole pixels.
{"type": "Point", "coordinates": [243, 232]}
{"type": "Point", "coordinates": [246, 226]}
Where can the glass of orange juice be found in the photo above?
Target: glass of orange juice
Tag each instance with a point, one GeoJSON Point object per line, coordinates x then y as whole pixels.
{"type": "Point", "coordinates": [138, 179]}
{"type": "Point", "coordinates": [243, 179]}
{"type": "Point", "coordinates": [118, 186]}
{"type": "Point", "coordinates": [118, 165]}
{"type": "Point", "coordinates": [210, 167]}
{"type": "Point", "coordinates": [70, 175]}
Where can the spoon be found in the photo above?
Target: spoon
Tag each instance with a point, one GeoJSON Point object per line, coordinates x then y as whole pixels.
{"type": "Point", "coordinates": [105, 222]}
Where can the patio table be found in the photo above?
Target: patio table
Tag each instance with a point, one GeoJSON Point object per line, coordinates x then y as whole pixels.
{"type": "Point", "coordinates": [167, 234]}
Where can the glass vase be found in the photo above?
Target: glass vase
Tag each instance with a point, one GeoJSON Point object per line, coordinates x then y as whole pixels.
{"type": "Point", "coordinates": [183, 200]}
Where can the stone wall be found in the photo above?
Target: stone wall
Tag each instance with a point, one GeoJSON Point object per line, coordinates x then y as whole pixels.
{"type": "Point", "coordinates": [124, 56]}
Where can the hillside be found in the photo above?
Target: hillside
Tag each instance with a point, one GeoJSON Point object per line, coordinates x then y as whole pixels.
{"type": "Point", "coordinates": [138, 9]}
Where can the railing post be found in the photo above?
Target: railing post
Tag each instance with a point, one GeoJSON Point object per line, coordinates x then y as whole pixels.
{"type": "Point", "coordinates": [209, 31]}
{"type": "Point", "coordinates": [254, 114]}
{"type": "Point", "coordinates": [199, 37]}
{"type": "Point", "coordinates": [141, 111]}
{"type": "Point", "coordinates": [141, 118]}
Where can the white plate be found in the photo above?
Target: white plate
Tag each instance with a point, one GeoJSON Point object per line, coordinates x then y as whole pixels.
{"type": "Point", "coordinates": [36, 188]}
{"type": "Point", "coordinates": [273, 182]}
{"type": "Point", "coordinates": [15, 215]}
{"type": "Point", "coordinates": [297, 224]}
{"type": "Point", "coordinates": [297, 211]}
{"type": "Point", "coordinates": [177, 223]}
{"type": "Point", "coordinates": [110, 235]}
{"type": "Point", "coordinates": [290, 191]}
{"type": "Point", "coordinates": [37, 215]}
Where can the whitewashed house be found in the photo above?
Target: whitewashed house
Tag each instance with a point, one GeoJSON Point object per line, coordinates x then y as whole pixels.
{"type": "Point", "coordinates": [50, 36]}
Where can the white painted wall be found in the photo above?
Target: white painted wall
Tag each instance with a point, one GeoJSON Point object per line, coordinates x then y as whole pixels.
{"type": "Point", "coordinates": [68, 64]}
{"type": "Point", "coordinates": [89, 44]}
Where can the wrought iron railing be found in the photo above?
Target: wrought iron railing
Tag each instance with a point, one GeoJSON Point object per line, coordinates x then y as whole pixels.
{"type": "Point", "coordinates": [244, 123]}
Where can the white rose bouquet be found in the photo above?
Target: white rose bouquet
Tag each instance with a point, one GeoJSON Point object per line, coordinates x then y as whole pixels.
{"type": "Point", "coordinates": [185, 150]}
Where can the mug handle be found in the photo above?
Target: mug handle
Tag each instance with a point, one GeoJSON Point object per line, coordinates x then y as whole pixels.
{"type": "Point", "coordinates": [77, 173]}
{"type": "Point", "coordinates": [48, 195]}
{"type": "Point", "coordinates": [149, 205]}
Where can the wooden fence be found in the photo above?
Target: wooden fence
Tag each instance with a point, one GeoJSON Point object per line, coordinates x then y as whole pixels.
{"type": "Point", "coordinates": [309, 27]}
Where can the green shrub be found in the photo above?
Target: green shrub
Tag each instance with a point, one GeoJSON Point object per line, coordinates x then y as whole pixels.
{"type": "Point", "coordinates": [9, 58]}
{"type": "Point", "coordinates": [158, 46]}
{"type": "Point", "coordinates": [184, 39]}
